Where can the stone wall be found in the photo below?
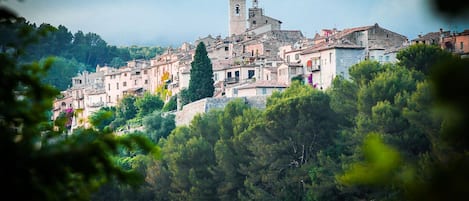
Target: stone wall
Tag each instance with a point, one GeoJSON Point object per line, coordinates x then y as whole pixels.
{"type": "Point", "coordinates": [184, 116]}
{"type": "Point", "coordinates": [189, 111]}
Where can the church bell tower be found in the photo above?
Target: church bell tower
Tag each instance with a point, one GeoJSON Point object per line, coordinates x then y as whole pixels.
{"type": "Point", "coordinates": [238, 18]}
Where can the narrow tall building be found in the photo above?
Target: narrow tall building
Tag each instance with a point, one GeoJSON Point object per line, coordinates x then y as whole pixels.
{"type": "Point", "coordinates": [237, 17]}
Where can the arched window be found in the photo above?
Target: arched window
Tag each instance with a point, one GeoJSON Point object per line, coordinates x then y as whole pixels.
{"type": "Point", "coordinates": [237, 10]}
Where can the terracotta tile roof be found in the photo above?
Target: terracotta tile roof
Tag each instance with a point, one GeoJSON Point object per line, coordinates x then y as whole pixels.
{"type": "Point", "coordinates": [346, 32]}
{"type": "Point", "coordinates": [428, 36]}
{"type": "Point", "coordinates": [326, 46]}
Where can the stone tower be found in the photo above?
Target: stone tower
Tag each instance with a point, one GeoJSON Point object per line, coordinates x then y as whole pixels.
{"type": "Point", "coordinates": [237, 17]}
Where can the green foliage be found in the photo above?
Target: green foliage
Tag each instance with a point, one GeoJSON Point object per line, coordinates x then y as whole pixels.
{"type": "Point", "coordinates": [379, 167]}
{"type": "Point", "coordinates": [159, 126]}
{"type": "Point", "coordinates": [146, 53]}
{"type": "Point", "coordinates": [298, 124]}
{"type": "Point", "coordinates": [185, 96]}
{"type": "Point", "coordinates": [42, 161]}
{"type": "Point", "coordinates": [298, 78]}
{"type": "Point", "coordinates": [147, 104]}
{"type": "Point", "coordinates": [201, 82]}
{"type": "Point", "coordinates": [103, 118]}
{"type": "Point", "coordinates": [61, 69]}
{"type": "Point", "coordinates": [126, 108]}
{"type": "Point", "coordinates": [171, 105]}
{"type": "Point", "coordinates": [365, 71]}
{"type": "Point", "coordinates": [421, 57]}
{"type": "Point", "coordinates": [344, 99]}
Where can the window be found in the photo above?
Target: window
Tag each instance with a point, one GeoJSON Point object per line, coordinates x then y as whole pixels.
{"type": "Point", "coordinates": [236, 73]}
{"type": "Point", "coordinates": [215, 76]}
{"type": "Point", "coordinates": [229, 74]}
{"type": "Point", "coordinates": [146, 81]}
{"type": "Point", "coordinates": [254, 22]}
{"type": "Point", "coordinates": [125, 74]}
{"type": "Point", "coordinates": [264, 91]}
{"type": "Point", "coordinates": [135, 82]}
{"type": "Point", "coordinates": [288, 59]}
{"type": "Point", "coordinates": [226, 49]}
{"type": "Point", "coordinates": [109, 99]}
{"type": "Point", "coordinates": [137, 73]}
{"type": "Point", "coordinates": [117, 86]}
{"type": "Point", "coordinates": [297, 56]}
{"type": "Point", "coordinates": [145, 72]}
{"type": "Point", "coordinates": [117, 98]}
{"type": "Point", "coordinates": [462, 45]}
{"type": "Point", "coordinates": [293, 71]}
{"type": "Point", "coordinates": [330, 57]}
{"type": "Point", "coordinates": [235, 91]}
{"type": "Point", "coordinates": [386, 58]}
{"type": "Point", "coordinates": [124, 84]}
{"type": "Point", "coordinates": [237, 10]}
{"type": "Point", "coordinates": [109, 87]}
{"type": "Point", "coordinates": [251, 74]}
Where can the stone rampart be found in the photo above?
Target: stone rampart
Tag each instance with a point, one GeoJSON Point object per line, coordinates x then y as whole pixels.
{"type": "Point", "coordinates": [188, 112]}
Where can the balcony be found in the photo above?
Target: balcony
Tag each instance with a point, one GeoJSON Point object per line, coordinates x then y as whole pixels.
{"type": "Point", "coordinates": [232, 80]}
{"type": "Point", "coordinates": [314, 68]}
{"type": "Point", "coordinates": [96, 104]}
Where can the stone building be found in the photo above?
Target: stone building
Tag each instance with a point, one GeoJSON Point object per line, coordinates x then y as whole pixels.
{"type": "Point", "coordinates": [237, 17]}
{"type": "Point", "coordinates": [457, 43]}
{"type": "Point", "coordinates": [375, 39]}
{"type": "Point", "coordinates": [432, 38]}
{"type": "Point", "coordinates": [133, 79]}
{"type": "Point", "coordinates": [323, 62]}
{"type": "Point", "coordinates": [62, 103]}
{"type": "Point", "coordinates": [260, 23]}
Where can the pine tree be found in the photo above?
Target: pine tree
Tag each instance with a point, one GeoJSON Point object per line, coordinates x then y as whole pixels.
{"type": "Point", "coordinates": [201, 82]}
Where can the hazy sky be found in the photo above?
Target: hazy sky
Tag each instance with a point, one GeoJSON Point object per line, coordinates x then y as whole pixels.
{"type": "Point", "coordinates": [171, 22]}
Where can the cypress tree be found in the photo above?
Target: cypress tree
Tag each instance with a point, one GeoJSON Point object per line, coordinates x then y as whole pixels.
{"type": "Point", "coordinates": [201, 82]}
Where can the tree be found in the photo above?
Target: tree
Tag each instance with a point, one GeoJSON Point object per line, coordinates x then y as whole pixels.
{"type": "Point", "coordinates": [62, 71]}
{"type": "Point", "coordinates": [297, 124]}
{"type": "Point", "coordinates": [103, 117]}
{"type": "Point", "coordinates": [147, 104]}
{"type": "Point", "coordinates": [171, 105]}
{"type": "Point", "coordinates": [41, 162]}
{"type": "Point", "coordinates": [126, 108]}
{"type": "Point", "coordinates": [364, 71]}
{"type": "Point", "coordinates": [201, 81]}
{"type": "Point", "coordinates": [421, 57]}
{"type": "Point", "coordinates": [158, 126]}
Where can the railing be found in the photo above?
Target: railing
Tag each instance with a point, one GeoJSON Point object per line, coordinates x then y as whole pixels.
{"type": "Point", "coordinates": [232, 80]}
{"type": "Point", "coordinates": [97, 104]}
{"type": "Point", "coordinates": [314, 68]}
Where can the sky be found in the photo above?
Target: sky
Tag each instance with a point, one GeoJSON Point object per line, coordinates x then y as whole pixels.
{"type": "Point", "coordinates": [172, 22]}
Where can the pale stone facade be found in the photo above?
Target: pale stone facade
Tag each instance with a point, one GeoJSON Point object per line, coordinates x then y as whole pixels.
{"type": "Point", "coordinates": [322, 63]}
{"type": "Point", "coordinates": [237, 13]}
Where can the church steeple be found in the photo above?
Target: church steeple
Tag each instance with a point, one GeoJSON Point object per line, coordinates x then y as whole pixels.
{"type": "Point", "coordinates": [238, 17]}
{"type": "Point", "coordinates": [255, 3]}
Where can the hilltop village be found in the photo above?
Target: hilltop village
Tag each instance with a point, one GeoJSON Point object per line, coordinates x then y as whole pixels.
{"type": "Point", "coordinates": [257, 58]}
